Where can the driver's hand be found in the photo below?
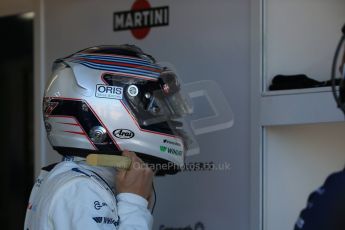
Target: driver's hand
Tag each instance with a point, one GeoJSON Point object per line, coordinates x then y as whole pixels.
{"type": "Point", "coordinates": [137, 179]}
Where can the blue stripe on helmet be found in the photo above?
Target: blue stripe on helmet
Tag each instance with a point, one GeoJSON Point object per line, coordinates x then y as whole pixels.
{"type": "Point", "coordinates": [112, 68]}
{"type": "Point", "coordinates": [121, 59]}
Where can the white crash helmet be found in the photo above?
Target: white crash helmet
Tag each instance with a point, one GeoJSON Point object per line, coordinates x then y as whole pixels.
{"type": "Point", "coordinates": [107, 99]}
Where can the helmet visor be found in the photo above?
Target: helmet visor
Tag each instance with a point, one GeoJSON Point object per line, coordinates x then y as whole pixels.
{"type": "Point", "coordinates": [169, 102]}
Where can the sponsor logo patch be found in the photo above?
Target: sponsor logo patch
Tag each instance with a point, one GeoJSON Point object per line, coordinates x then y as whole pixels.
{"type": "Point", "coordinates": [108, 91]}
{"type": "Point", "coordinates": [38, 182]}
{"type": "Point", "coordinates": [98, 205]}
{"type": "Point", "coordinates": [106, 220]}
{"type": "Point", "coordinates": [172, 142]}
{"type": "Point", "coordinates": [123, 133]}
{"type": "Point", "coordinates": [133, 90]}
{"type": "Point", "coordinates": [163, 148]}
{"type": "Point", "coordinates": [141, 18]}
{"type": "Point", "coordinates": [172, 151]}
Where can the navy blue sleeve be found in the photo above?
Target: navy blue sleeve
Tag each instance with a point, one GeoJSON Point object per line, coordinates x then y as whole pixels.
{"type": "Point", "coordinates": [326, 206]}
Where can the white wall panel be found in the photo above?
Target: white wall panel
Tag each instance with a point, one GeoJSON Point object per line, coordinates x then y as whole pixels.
{"type": "Point", "coordinates": [301, 36]}
{"type": "Point", "coordinates": [297, 160]}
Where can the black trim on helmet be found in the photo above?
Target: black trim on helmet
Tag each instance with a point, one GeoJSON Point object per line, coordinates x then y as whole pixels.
{"type": "Point", "coordinates": [87, 120]}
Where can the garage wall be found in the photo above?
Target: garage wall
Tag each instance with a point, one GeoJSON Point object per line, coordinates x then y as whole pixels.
{"type": "Point", "coordinates": [205, 40]}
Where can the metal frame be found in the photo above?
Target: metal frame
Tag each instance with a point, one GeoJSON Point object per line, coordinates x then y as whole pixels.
{"type": "Point", "coordinates": [257, 131]}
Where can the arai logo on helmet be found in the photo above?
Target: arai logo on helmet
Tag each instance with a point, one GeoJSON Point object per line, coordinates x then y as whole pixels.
{"type": "Point", "coordinates": [108, 91]}
{"type": "Point", "coordinates": [123, 133]}
{"type": "Point", "coordinates": [141, 18]}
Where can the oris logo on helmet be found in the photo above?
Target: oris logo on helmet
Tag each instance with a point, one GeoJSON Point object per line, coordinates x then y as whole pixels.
{"type": "Point", "coordinates": [108, 91]}
{"type": "Point", "coordinates": [141, 18]}
{"type": "Point", "coordinates": [123, 133]}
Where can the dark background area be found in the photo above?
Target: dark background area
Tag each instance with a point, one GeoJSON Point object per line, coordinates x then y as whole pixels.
{"type": "Point", "coordinates": [16, 71]}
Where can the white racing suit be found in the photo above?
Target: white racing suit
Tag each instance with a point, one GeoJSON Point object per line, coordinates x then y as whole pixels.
{"type": "Point", "coordinates": [73, 195]}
